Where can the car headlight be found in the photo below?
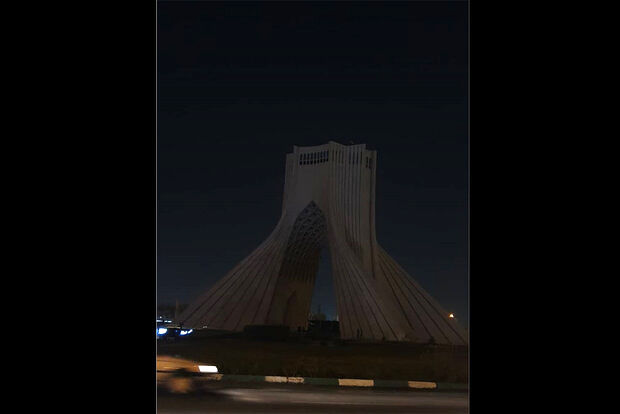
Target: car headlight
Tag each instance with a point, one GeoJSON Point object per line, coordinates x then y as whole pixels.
{"type": "Point", "coordinates": [162, 331]}
{"type": "Point", "coordinates": [212, 369]}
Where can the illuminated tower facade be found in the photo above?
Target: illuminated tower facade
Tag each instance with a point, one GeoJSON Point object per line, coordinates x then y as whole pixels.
{"type": "Point", "coordinates": [329, 200]}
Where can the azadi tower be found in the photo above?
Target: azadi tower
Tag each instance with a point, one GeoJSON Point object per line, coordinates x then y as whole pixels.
{"type": "Point", "coordinates": [329, 198]}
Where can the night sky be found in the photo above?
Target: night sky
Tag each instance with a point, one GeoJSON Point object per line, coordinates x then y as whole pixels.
{"type": "Point", "coordinates": [240, 83]}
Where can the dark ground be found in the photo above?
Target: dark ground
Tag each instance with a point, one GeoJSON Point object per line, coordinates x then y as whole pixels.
{"type": "Point", "coordinates": [268, 398]}
{"type": "Point", "coordinates": [327, 359]}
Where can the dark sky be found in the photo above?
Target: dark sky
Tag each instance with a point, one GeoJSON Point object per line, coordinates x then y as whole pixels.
{"type": "Point", "coordinates": [240, 83]}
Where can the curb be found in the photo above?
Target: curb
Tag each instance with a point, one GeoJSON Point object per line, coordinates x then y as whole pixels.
{"type": "Point", "coordinates": [342, 382]}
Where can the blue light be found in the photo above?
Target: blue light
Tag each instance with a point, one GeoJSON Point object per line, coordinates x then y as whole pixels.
{"type": "Point", "coordinates": [162, 331]}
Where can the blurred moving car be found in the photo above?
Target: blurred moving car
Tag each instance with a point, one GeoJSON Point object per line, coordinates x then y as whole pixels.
{"type": "Point", "coordinates": [180, 375]}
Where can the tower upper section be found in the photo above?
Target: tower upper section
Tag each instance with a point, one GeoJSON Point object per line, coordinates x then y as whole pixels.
{"type": "Point", "coordinates": [322, 173]}
{"type": "Point", "coordinates": [340, 180]}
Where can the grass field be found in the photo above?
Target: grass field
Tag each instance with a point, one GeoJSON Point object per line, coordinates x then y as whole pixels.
{"type": "Point", "coordinates": [394, 361]}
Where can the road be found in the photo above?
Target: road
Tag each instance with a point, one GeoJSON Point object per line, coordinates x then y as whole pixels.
{"type": "Point", "coordinates": [311, 399]}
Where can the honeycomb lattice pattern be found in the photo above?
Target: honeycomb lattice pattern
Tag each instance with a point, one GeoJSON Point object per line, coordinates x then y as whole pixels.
{"type": "Point", "coordinates": [304, 246]}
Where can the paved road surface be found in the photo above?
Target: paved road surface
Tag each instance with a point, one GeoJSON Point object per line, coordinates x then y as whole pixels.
{"type": "Point", "coordinates": [311, 399]}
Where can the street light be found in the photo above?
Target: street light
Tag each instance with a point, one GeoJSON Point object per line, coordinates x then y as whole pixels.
{"type": "Point", "coordinates": [451, 315]}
